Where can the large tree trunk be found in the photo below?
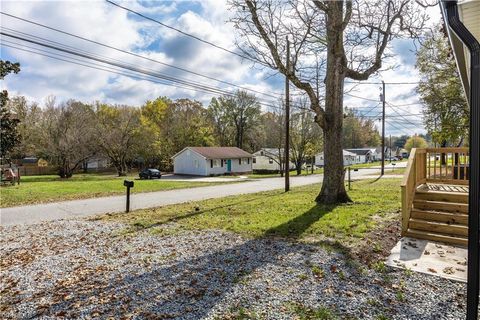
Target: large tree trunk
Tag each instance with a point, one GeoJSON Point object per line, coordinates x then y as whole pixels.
{"type": "Point", "coordinates": [333, 186]}
{"type": "Point", "coordinates": [64, 170]}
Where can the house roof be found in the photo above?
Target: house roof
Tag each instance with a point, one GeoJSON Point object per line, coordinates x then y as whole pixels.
{"type": "Point", "coordinates": [30, 160]}
{"type": "Point", "coordinates": [361, 151]}
{"type": "Point", "coordinates": [269, 151]}
{"type": "Point", "coordinates": [218, 152]}
{"type": "Point", "coordinates": [345, 153]}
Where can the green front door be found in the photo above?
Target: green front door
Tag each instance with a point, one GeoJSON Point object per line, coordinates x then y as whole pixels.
{"type": "Point", "coordinates": [229, 165]}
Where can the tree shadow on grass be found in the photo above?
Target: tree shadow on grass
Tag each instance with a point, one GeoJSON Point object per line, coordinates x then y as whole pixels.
{"type": "Point", "coordinates": [196, 211]}
{"type": "Point", "coordinates": [189, 288]}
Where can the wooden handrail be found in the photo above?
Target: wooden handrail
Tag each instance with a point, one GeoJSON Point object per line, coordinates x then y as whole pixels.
{"type": "Point", "coordinates": [445, 150]}
{"type": "Point", "coordinates": [408, 187]}
{"type": "Point", "coordinates": [410, 164]}
{"type": "Point", "coordinates": [449, 165]}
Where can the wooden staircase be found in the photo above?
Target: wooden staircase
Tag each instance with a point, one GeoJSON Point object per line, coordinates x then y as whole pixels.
{"type": "Point", "coordinates": [439, 216]}
{"type": "Point", "coordinates": [434, 206]}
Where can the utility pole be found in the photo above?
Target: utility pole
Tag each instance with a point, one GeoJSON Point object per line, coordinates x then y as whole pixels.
{"type": "Point", "coordinates": [383, 128]}
{"type": "Point", "coordinates": [390, 148]}
{"type": "Point", "coordinates": [287, 122]}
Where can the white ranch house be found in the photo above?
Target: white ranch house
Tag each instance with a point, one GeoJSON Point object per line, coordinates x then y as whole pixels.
{"type": "Point", "coordinates": [349, 158]}
{"type": "Point", "coordinates": [364, 155]}
{"type": "Point", "coordinates": [212, 161]}
{"type": "Point", "coordinates": [268, 159]}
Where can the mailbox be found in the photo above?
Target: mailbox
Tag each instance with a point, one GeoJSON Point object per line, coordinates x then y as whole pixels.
{"type": "Point", "coordinates": [128, 184]}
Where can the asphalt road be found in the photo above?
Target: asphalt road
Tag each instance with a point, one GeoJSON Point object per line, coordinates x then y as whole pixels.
{"type": "Point", "coordinates": [79, 208]}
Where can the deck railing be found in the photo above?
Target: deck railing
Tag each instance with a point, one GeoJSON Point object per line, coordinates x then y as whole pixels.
{"type": "Point", "coordinates": [434, 165]}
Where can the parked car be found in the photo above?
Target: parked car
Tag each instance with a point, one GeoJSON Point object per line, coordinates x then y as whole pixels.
{"type": "Point", "coordinates": [150, 174]}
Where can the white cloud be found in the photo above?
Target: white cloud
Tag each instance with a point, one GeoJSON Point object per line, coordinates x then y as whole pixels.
{"type": "Point", "coordinates": [102, 22]}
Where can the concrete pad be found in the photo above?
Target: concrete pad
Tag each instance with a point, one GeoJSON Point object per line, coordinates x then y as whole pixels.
{"type": "Point", "coordinates": [430, 257]}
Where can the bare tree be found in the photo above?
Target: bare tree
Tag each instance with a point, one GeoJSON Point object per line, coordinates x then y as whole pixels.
{"type": "Point", "coordinates": [274, 128]}
{"type": "Point", "coordinates": [118, 131]}
{"type": "Point", "coordinates": [351, 38]}
{"type": "Point", "coordinates": [67, 135]}
{"type": "Point", "coordinates": [304, 136]}
{"type": "Point", "coordinates": [236, 115]}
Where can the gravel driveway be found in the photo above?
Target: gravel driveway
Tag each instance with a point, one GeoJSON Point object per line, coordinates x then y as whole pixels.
{"type": "Point", "coordinates": [90, 269]}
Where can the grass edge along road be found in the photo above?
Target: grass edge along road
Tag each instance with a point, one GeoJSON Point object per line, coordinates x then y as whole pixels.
{"type": "Point", "coordinates": [276, 213]}
{"type": "Point", "coordinates": [49, 188]}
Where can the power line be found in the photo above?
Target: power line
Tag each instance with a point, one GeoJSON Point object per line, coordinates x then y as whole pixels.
{"type": "Point", "coordinates": [121, 65]}
{"type": "Point", "coordinates": [401, 116]}
{"type": "Point", "coordinates": [402, 130]}
{"type": "Point", "coordinates": [127, 52]}
{"type": "Point", "coordinates": [377, 83]}
{"type": "Point", "coordinates": [94, 66]}
{"type": "Point", "coordinates": [185, 33]}
{"type": "Point", "coordinates": [409, 104]}
{"type": "Point", "coordinates": [146, 75]}
{"type": "Point", "coordinates": [358, 97]}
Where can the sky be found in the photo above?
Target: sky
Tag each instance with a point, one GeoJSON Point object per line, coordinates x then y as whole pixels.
{"type": "Point", "coordinates": [42, 76]}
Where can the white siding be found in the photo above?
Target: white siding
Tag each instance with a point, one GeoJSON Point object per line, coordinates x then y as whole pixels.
{"type": "Point", "coordinates": [347, 160]}
{"type": "Point", "coordinates": [189, 162]}
{"type": "Point", "coordinates": [245, 167]}
{"type": "Point", "coordinates": [265, 163]}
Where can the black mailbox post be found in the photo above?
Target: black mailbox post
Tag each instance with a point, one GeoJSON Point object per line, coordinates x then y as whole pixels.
{"type": "Point", "coordinates": [128, 184]}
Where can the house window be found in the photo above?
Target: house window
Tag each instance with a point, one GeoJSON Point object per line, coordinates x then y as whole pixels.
{"type": "Point", "coordinates": [240, 161]}
{"type": "Point", "coordinates": [195, 163]}
{"type": "Point", "coordinates": [216, 163]}
{"type": "Point", "coordinates": [254, 160]}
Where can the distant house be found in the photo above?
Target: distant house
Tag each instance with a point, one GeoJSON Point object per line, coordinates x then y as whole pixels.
{"type": "Point", "coordinates": [268, 159]}
{"type": "Point", "coordinates": [349, 158]}
{"type": "Point", "coordinates": [97, 163]}
{"type": "Point", "coordinates": [209, 161]}
{"type": "Point", "coordinates": [402, 153]}
{"type": "Point", "coordinates": [33, 162]}
{"type": "Point", "coordinates": [363, 155]}
{"type": "Point", "coordinates": [377, 155]}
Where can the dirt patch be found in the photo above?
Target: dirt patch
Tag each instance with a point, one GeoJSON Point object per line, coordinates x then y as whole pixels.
{"type": "Point", "coordinates": [377, 244]}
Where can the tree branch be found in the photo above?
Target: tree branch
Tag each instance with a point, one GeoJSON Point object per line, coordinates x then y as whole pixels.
{"type": "Point", "coordinates": [314, 102]}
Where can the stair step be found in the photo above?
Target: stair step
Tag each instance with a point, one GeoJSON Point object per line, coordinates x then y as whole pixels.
{"type": "Point", "coordinates": [440, 206]}
{"type": "Point", "coordinates": [456, 197]}
{"type": "Point", "coordinates": [438, 227]}
{"type": "Point", "coordinates": [439, 216]}
{"type": "Point", "coordinates": [419, 234]}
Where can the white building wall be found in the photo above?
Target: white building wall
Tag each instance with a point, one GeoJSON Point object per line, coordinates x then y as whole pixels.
{"type": "Point", "coordinates": [189, 162]}
{"type": "Point", "coordinates": [348, 160]}
{"type": "Point", "coordinates": [245, 166]}
{"type": "Point", "coordinates": [263, 163]}
{"type": "Point", "coordinates": [236, 167]}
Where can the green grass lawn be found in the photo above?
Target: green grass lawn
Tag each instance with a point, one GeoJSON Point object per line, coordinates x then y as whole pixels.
{"type": "Point", "coordinates": [49, 188]}
{"type": "Point", "coordinates": [275, 213]}
{"type": "Point", "coordinates": [389, 171]}
{"type": "Point", "coordinates": [320, 170]}
{"type": "Point", "coordinates": [292, 173]}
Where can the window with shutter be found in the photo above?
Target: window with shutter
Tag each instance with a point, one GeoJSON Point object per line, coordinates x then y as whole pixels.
{"type": "Point", "coordinates": [211, 163]}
